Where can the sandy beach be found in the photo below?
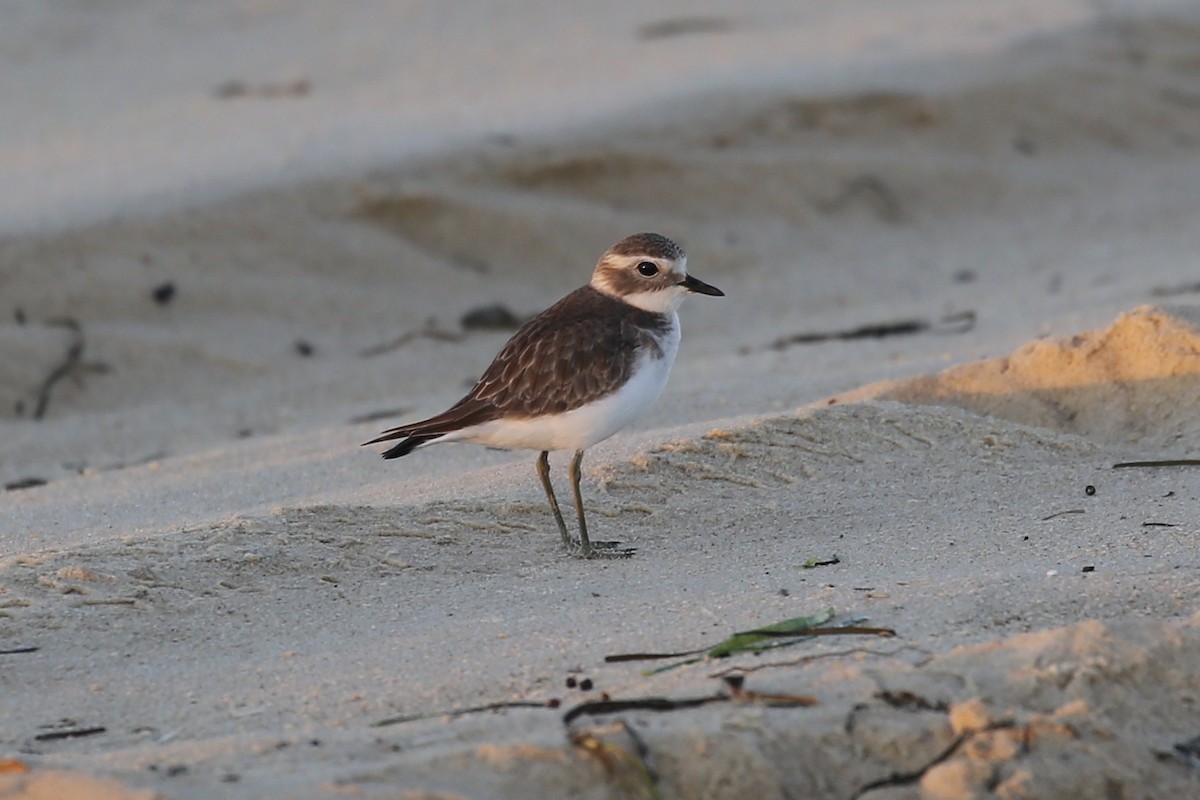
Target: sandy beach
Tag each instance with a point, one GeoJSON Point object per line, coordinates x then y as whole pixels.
{"type": "Point", "coordinates": [949, 397]}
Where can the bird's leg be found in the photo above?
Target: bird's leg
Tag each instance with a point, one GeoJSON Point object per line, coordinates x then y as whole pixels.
{"type": "Point", "coordinates": [586, 548]}
{"type": "Point", "coordinates": [543, 471]}
{"type": "Point", "coordinates": [585, 545]}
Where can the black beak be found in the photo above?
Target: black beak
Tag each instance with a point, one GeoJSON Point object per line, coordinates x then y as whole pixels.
{"type": "Point", "coordinates": [693, 284]}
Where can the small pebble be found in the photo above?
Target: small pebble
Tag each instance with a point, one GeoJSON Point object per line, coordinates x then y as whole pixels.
{"type": "Point", "coordinates": [164, 293]}
{"type": "Point", "coordinates": [586, 684]}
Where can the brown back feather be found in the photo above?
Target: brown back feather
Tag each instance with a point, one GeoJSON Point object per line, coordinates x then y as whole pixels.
{"type": "Point", "coordinates": [569, 355]}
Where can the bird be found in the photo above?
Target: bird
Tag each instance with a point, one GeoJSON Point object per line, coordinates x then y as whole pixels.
{"type": "Point", "coordinates": [576, 373]}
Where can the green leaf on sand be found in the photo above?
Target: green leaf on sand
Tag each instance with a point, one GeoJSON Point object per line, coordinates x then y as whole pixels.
{"type": "Point", "coordinates": [769, 636]}
{"type": "Point", "coordinates": [779, 634]}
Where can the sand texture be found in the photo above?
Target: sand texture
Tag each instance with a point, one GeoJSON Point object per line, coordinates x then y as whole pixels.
{"type": "Point", "coordinates": [951, 395]}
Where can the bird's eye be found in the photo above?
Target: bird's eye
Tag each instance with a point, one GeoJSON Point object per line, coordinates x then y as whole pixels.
{"type": "Point", "coordinates": [648, 269]}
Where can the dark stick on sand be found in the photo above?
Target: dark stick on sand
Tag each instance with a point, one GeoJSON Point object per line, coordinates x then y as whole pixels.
{"type": "Point", "coordinates": [69, 363]}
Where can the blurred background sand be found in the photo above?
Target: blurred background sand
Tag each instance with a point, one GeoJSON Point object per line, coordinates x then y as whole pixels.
{"type": "Point", "coordinates": [239, 239]}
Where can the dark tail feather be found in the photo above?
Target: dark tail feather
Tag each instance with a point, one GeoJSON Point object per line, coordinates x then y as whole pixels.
{"type": "Point", "coordinates": [462, 414]}
{"type": "Point", "coordinates": [409, 444]}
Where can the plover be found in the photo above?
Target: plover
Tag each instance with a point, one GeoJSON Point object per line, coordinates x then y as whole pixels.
{"type": "Point", "coordinates": [576, 373]}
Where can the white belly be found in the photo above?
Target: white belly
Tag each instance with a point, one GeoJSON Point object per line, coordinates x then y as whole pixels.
{"type": "Point", "coordinates": [583, 427]}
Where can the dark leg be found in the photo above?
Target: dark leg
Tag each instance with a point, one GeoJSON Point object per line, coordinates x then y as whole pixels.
{"type": "Point", "coordinates": [588, 549]}
{"type": "Point", "coordinates": [585, 545]}
{"type": "Point", "coordinates": [543, 471]}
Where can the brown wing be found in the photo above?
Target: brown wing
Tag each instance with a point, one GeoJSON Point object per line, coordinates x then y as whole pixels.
{"type": "Point", "coordinates": [572, 353]}
{"type": "Point", "coordinates": [557, 366]}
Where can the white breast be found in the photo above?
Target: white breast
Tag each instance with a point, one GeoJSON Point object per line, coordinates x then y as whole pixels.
{"type": "Point", "coordinates": [583, 427]}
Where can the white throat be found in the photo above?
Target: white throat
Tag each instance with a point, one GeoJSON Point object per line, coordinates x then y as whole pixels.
{"type": "Point", "coordinates": [660, 301]}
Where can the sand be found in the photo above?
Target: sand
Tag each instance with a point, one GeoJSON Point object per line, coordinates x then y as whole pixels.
{"type": "Point", "coordinates": [960, 256]}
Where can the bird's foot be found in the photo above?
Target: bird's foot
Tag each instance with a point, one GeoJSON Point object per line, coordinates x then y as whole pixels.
{"type": "Point", "coordinates": [600, 550]}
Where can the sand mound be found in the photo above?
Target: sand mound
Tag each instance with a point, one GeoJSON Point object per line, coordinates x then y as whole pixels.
{"type": "Point", "coordinates": [326, 610]}
{"type": "Point", "coordinates": [22, 784]}
{"type": "Point", "coordinates": [1134, 382]}
{"type": "Point", "coordinates": [1057, 714]}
